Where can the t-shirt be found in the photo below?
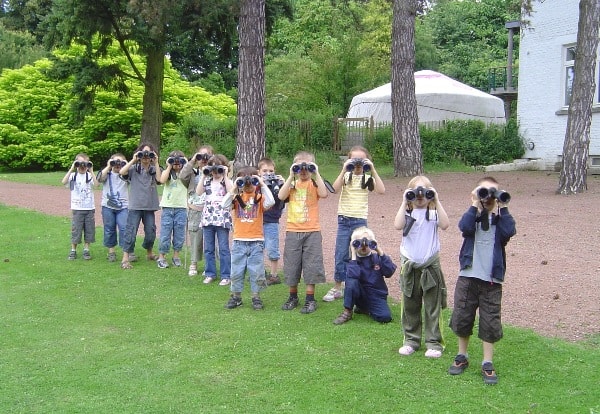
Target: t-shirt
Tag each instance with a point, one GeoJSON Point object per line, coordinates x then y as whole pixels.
{"type": "Point", "coordinates": [82, 191]}
{"type": "Point", "coordinates": [353, 198]}
{"type": "Point", "coordinates": [483, 253]}
{"type": "Point", "coordinates": [422, 241]}
{"type": "Point", "coordinates": [119, 189]}
{"type": "Point", "coordinates": [143, 194]}
{"type": "Point", "coordinates": [248, 218]}
{"type": "Point", "coordinates": [174, 194]}
{"type": "Point", "coordinates": [303, 208]}
{"type": "Point", "coordinates": [213, 213]}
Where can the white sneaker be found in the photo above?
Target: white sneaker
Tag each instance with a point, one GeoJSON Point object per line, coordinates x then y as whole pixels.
{"type": "Point", "coordinates": [224, 282]}
{"type": "Point", "coordinates": [333, 294]}
{"type": "Point", "coordinates": [207, 280]}
{"type": "Point", "coordinates": [433, 353]}
{"type": "Point", "coordinates": [406, 350]}
{"type": "Point", "coordinates": [193, 270]}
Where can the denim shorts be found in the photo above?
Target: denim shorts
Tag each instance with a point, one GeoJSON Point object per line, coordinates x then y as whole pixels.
{"type": "Point", "coordinates": [271, 231]}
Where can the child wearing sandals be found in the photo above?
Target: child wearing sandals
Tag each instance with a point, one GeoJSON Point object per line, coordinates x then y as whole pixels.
{"type": "Point", "coordinates": [421, 279]}
{"type": "Point", "coordinates": [192, 172]}
{"type": "Point", "coordinates": [81, 180]}
{"type": "Point", "coordinates": [355, 181]}
{"type": "Point", "coordinates": [365, 280]}
{"type": "Point", "coordinates": [216, 220]}
{"type": "Point", "coordinates": [141, 173]}
{"type": "Point", "coordinates": [115, 200]}
{"type": "Point", "coordinates": [173, 216]}
{"type": "Point", "coordinates": [248, 198]}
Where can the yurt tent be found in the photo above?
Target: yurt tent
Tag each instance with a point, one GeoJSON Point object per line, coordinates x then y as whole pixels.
{"type": "Point", "coordinates": [439, 98]}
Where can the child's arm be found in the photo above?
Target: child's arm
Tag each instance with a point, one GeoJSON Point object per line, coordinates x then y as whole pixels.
{"type": "Point", "coordinates": [506, 224]}
{"type": "Point", "coordinates": [284, 191]}
{"type": "Point", "coordinates": [387, 266]}
{"type": "Point", "coordinates": [166, 173]}
{"type": "Point", "coordinates": [443, 221]}
{"type": "Point", "coordinates": [339, 181]}
{"type": "Point", "coordinates": [67, 176]}
{"type": "Point", "coordinates": [267, 196]}
{"type": "Point", "coordinates": [379, 187]}
{"type": "Point", "coordinates": [321, 189]}
{"type": "Point", "coordinates": [227, 201]}
{"type": "Point", "coordinates": [125, 169]}
{"type": "Point", "coordinates": [468, 220]}
{"type": "Point", "coordinates": [104, 172]}
{"type": "Point", "coordinates": [400, 220]}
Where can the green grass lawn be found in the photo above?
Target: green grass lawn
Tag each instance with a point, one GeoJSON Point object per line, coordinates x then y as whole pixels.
{"type": "Point", "coordinates": [88, 337]}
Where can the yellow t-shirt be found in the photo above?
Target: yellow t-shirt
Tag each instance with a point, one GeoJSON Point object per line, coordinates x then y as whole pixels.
{"type": "Point", "coordinates": [354, 200]}
{"type": "Point", "coordinates": [303, 208]}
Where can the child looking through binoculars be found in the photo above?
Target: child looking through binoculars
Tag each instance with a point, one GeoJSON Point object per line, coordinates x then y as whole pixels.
{"type": "Point", "coordinates": [421, 279]}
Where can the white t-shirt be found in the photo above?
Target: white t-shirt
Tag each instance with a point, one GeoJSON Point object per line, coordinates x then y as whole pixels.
{"type": "Point", "coordinates": [82, 191]}
{"type": "Point", "coordinates": [422, 240]}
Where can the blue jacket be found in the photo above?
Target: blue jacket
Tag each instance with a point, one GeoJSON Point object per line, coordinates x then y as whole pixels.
{"type": "Point", "coordinates": [371, 270]}
{"type": "Point", "coordinates": [505, 229]}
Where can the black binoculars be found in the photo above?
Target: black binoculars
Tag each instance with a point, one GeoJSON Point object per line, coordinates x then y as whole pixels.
{"type": "Point", "coordinates": [364, 242]}
{"type": "Point", "coordinates": [311, 168]}
{"type": "Point", "coordinates": [86, 164]}
{"type": "Point", "coordinates": [219, 169]}
{"type": "Point", "coordinates": [358, 162]}
{"type": "Point", "coordinates": [242, 181]}
{"type": "Point", "coordinates": [420, 192]}
{"type": "Point", "coordinates": [487, 193]}
{"type": "Point", "coordinates": [146, 154]}
{"type": "Point", "coordinates": [176, 160]}
{"type": "Point", "coordinates": [202, 157]}
{"type": "Point", "coordinates": [117, 163]}
{"type": "Point", "coordinates": [273, 182]}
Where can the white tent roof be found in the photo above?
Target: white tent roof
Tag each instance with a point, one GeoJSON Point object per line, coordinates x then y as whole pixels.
{"type": "Point", "coordinates": [438, 98]}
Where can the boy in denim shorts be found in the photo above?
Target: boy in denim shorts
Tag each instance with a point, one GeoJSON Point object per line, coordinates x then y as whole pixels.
{"type": "Point", "coordinates": [486, 226]}
{"type": "Point", "coordinates": [303, 250]}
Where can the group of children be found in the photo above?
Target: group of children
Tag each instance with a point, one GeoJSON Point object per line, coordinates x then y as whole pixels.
{"type": "Point", "coordinates": [199, 194]}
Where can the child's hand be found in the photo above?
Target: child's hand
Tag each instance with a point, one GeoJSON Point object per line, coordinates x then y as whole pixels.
{"type": "Point", "coordinates": [347, 163]}
{"type": "Point", "coordinates": [475, 197]}
{"type": "Point", "coordinates": [369, 163]}
{"type": "Point", "coordinates": [260, 179]}
{"type": "Point", "coordinates": [316, 167]}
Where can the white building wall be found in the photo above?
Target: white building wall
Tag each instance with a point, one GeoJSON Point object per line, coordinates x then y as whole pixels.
{"type": "Point", "coordinates": [540, 111]}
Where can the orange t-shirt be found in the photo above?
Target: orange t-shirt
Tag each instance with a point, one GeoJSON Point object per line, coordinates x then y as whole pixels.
{"type": "Point", "coordinates": [248, 220]}
{"type": "Point", "coordinates": [303, 208]}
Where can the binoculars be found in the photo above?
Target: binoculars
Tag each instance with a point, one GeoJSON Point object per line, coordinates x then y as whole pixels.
{"type": "Point", "coordinates": [273, 182]}
{"type": "Point", "coordinates": [86, 164]}
{"type": "Point", "coordinates": [117, 163]}
{"type": "Point", "coordinates": [219, 169]}
{"type": "Point", "coordinates": [358, 162]}
{"type": "Point", "coordinates": [364, 242]}
{"type": "Point", "coordinates": [487, 193]}
{"type": "Point", "coordinates": [420, 192]}
{"type": "Point", "coordinates": [310, 167]}
{"type": "Point", "coordinates": [176, 160]}
{"type": "Point", "coordinates": [242, 181]}
{"type": "Point", "coordinates": [202, 157]}
{"type": "Point", "coordinates": [146, 154]}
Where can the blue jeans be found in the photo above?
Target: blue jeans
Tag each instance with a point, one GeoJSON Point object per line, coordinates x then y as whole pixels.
{"type": "Point", "coordinates": [112, 220]}
{"type": "Point", "coordinates": [133, 223]}
{"type": "Point", "coordinates": [367, 299]}
{"type": "Point", "coordinates": [172, 221]}
{"type": "Point", "coordinates": [210, 235]}
{"type": "Point", "coordinates": [346, 225]}
{"type": "Point", "coordinates": [247, 255]}
{"type": "Point", "coordinates": [271, 232]}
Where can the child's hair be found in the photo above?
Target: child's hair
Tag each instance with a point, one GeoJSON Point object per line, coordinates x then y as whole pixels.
{"type": "Point", "coordinates": [146, 144]}
{"type": "Point", "coordinates": [118, 154]}
{"type": "Point", "coordinates": [244, 171]}
{"type": "Point", "coordinates": [83, 155]}
{"type": "Point", "coordinates": [359, 148]}
{"type": "Point", "coordinates": [208, 148]}
{"type": "Point", "coordinates": [266, 161]}
{"type": "Point", "coordinates": [488, 178]}
{"type": "Point", "coordinates": [176, 153]}
{"type": "Point", "coordinates": [304, 155]}
{"type": "Point", "coordinates": [218, 159]}
{"type": "Point", "coordinates": [358, 232]}
{"type": "Point", "coordinates": [422, 178]}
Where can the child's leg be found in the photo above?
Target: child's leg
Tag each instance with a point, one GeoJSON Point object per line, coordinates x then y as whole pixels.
{"type": "Point", "coordinates": [210, 265]}
{"type": "Point", "coordinates": [166, 230]}
{"type": "Point", "coordinates": [149, 220]}
{"type": "Point", "coordinates": [239, 261]}
{"type": "Point", "coordinates": [109, 221]}
{"type": "Point", "coordinates": [224, 252]}
{"type": "Point", "coordinates": [179, 231]}
{"type": "Point", "coordinates": [256, 267]}
{"type": "Point", "coordinates": [89, 228]}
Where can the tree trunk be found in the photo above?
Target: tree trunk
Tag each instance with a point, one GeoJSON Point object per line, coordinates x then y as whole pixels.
{"type": "Point", "coordinates": [408, 160]}
{"type": "Point", "coordinates": [251, 84]}
{"type": "Point", "coordinates": [573, 173]}
{"type": "Point", "coordinates": [153, 95]}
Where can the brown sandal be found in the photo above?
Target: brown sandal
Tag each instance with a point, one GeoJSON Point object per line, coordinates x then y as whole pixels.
{"type": "Point", "coordinates": [152, 257]}
{"type": "Point", "coordinates": [126, 265]}
{"type": "Point", "coordinates": [344, 317]}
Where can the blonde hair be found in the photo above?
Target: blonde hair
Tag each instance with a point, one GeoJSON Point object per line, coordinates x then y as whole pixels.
{"type": "Point", "coordinates": [304, 155]}
{"type": "Point", "coordinates": [359, 148]}
{"type": "Point", "coordinates": [419, 178]}
{"type": "Point", "coordinates": [357, 233]}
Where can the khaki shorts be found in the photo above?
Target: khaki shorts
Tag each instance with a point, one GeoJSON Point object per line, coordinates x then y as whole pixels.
{"type": "Point", "coordinates": [303, 256]}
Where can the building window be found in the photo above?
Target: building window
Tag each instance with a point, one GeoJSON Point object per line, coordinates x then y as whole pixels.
{"type": "Point", "coordinates": [569, 73]}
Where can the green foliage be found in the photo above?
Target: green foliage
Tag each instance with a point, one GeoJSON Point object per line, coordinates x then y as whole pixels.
{"type": "Point", "coordinates": [471, 142]}
{"type": "Point", "coordinates": [86, 336]}
{"type": "Point", "coordinates": [18, 49]}
{"type": "Point", "coordinates": [199, 129]}
{"type": "Point", "coordinates": [38, 128]}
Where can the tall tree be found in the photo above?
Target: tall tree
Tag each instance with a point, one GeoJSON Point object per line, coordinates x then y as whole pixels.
{"type": "Point", "coordinates": [251, 83]}
{"type": "Point", "coordinates": [408, 159]}
{"type": "Point", "coordinates": [573, 173]}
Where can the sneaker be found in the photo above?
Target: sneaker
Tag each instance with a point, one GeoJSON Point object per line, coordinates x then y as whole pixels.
{"type": "Point", "coordinates": [333, 294]}
{"type": "Point", "coordinates": [433, 353]}
{"type": "Point", "coordinates": [234, 302]}
{"type": "Point", "coordinates": [406, 350]}
{"type": "Point", "coordinates": [309, 307]}
{"type": "Point", "coordinates": [344, 317]}
{"type": "Point", "coordinates": [176, 261]}
{"type": "Point", "coordinates": [112, 257]}
{"type": "Point", "coordinates": [273, 280]}
{"type": "Point", "coordinates": [292, 303]}
{"type": "Point", "coordinates": [257, 304]}
{"type": "Point", "coordinates": [224, 282]}
{"type": "Point", "coordinates": [208, 279]}
{"type": "Point", "coordinates": [459, 365]}
{"type": "Point", "coordinates": [132, 257]}
{"type": "Point", "coordinates": [193, 270]}
{"type": "Point", "coordinates": [489, 374]}
{"type": "Point", "coordinates": [72, 255]}
{"type": "Point", "coordinates": [162, 263]}
{"type": "Point", "coordinates": [86, 255]}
